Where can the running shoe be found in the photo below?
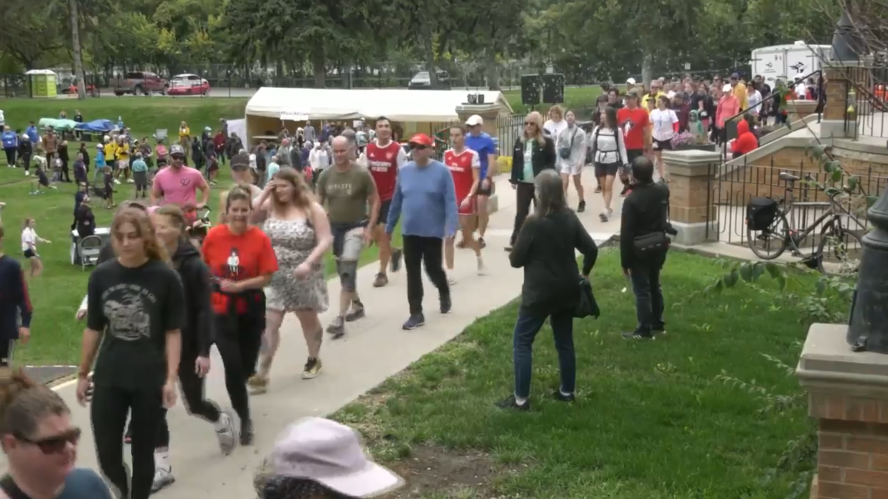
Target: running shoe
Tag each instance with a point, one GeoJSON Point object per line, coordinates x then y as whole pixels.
{"type": "Point", "coordinates": [258, 384]}
{"type": "Point", "coordinates": [511, 403]}
{"type": "Point", "coordinates": [557, 395]}
{"type": "Point", "coordinates": [225, 432]}
{"type": "Point", "coordinates": [450, 280]}
{"type": "Point", "coordinates": [635, 335]}
{"type": "Point", "coordinates": [162, 478]}
{"type": "Point", "coordinates": [337, 328]}
{"type": "Point", "coordinates": [461, 244]}
{"type": "Point", "coordinates": [482, 242]}
{"type": "Point", "coordinates": [246, 433]}
{"type": "Point", "coordinates": [356, 313]}
{"type": "Point", "coordinates": [381, 280]}
{"type": "Point", "coordinates": [446, 304]}
{"type": "Point", "coordinates": [397, 256]}
{"type": "Point", "coordinates": [312, 368]}
{"type": "Point", "coordinates": [415, 321]}
{"type": "Point", "coordinates": [481, 268]}
{"type": "Point", "coordinates": [582, 207]}
{"type": "Point", "coordinates": [598, 190]}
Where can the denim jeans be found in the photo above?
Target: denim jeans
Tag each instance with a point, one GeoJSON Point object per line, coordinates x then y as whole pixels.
{"type": "Point", "coordinates": [648, 296]}
{"type": "Point", "coordinates": [526, 328]}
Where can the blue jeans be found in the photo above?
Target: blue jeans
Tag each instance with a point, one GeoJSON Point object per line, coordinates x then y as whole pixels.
{"type": "Point", "coordinates": [648, 296]}
{"type": "Point", "coordinates": [526, 328]}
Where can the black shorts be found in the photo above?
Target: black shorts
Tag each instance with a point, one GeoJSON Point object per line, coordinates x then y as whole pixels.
{"type": "Point", "coordinates": [631, 155]}
{"type": "Point", "coordinates": [29, 253]}
{"type": "Point", "coordinates": [606, 169]}
{"type": "Point", "coordinates": [662, 145]}
{"type": "Point", "coordinates": [384, 212]}
{"type": "Point", "coordinates": [485, 192]}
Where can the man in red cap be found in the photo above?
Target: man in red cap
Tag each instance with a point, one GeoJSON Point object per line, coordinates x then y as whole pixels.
{"type": "Point", "coordinates": [426, 195]}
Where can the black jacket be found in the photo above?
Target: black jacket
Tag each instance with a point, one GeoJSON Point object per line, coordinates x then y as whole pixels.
{"type": "Point", "coordinates": [85, 154]}
{"type": "Point", "coordinates": [542, 158]}
{"type": "Point", "coordinates": [196, 336]}
{"type": "Point", "coordinates": [645, 211]}
{"type": "Point", "coordinates": [25, 147]}
{"type": "Point", "coordinates": [545, 248]}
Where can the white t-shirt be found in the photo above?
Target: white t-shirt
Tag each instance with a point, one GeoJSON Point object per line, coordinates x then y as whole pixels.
{"type": "Point", "coordinates": [801, 90]}
{"type": "Point", "coordinates": [554, 129]}
{"type": "Point", "coordinates": [662, 121]}
{"type": "Point", "coordinates": [29, 239]}
{"type": "Point", "coordinates": [753, 101]}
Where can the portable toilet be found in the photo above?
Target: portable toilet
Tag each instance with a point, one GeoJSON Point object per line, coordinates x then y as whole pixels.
{"type": "Point", "coordinates": [42, 83]}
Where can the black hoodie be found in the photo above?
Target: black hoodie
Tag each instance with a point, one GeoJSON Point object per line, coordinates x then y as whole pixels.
{"type": "Point", "coordinates": [196, 337]}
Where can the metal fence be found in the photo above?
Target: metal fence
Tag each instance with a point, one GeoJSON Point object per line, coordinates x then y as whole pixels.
{"type": "Point", "coordinates": [866, 102]}
{"type": "Point", "coordinates": [731, 189]}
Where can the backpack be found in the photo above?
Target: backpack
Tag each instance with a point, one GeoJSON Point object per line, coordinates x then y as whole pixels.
{"type": "Point", "coordinates": [617, 134]}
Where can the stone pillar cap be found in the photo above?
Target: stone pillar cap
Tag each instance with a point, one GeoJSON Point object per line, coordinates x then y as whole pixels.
{"type": "Point", "coordinates": [486, 108]}
{"type": "Point", "coordinates": [827, 363]}
{"type": "Point", "coordinates": [691, 157]}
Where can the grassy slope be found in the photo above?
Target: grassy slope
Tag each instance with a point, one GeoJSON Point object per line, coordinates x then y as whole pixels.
{"type": "Point", "coordinates": [651, 420]}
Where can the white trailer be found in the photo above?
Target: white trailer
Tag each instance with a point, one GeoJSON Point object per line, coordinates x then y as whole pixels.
{"type": "Point", "coordinates": [788, 61]}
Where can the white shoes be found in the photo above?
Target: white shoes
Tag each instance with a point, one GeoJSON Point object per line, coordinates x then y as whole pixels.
{"type": "Point", "coordinates": [481, 269]}
{"type": "Point", "coordinates": [162, 478]}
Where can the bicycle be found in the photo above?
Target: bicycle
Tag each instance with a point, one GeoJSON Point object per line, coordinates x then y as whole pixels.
{"type": "Point", "coordinates": [767, 224]}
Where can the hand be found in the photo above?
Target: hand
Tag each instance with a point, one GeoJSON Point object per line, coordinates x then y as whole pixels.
{"type": "Point", "coordinates": [200, 206]}
{"type": "Point", "coordinates": [24, 335]}
{"type": "Point", "coordinates": [169, 394]}
{"type": "Point", "coordinates": [47, 241]}
{"type": "Point", "coordinates": [302, 271]}
{"type": "Point", "coordinates": [229, 286]}
{"type": "Point", "coordinates": [202, 366]}
{"type": "Point", "coordinates": [83, 390]}
{"type": "Point", "coordinates": [465, 203]}
{"type": "Point", "coordinates": [485, 183]}
{"type": "Point", "coordinates": [368, 236]}
{"type": "Point", "coordinates": [627, 273]}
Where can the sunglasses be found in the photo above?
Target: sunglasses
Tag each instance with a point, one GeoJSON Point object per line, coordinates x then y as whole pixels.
{"type": "Point", "coordinates": [55, 444]}
{"type": "Point", "coordinates": [178, 157]}
{"type": "Point", "coordinates": [529, 123]}
{"type": "Point", "coordinates": [418, 147]}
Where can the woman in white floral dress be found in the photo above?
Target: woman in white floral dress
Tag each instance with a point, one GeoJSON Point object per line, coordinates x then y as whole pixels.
{"type": "Point", "coordinates": [300, 235]}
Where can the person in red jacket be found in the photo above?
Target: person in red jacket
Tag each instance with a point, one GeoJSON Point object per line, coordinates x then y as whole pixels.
{"type": "Point", "coordinates": [219, 144]}
{"type": "Point", "coordinates": [745, 142]}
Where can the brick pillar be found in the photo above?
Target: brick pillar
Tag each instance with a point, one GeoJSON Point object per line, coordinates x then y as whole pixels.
{"type": "Point", "coordinates": [840, 75]}
{"type": "Point", "coordinates": [691, 208]}
{"type": "Point", "coordinates": [848, 394]}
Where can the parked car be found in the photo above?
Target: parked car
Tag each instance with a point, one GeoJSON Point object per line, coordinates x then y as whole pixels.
{"type": "Point", "coordinates": [423, 81]}
{"type": "Point", "coordinates": [188, 84]}
{"type": "Point", "coordinates": [140, 83]}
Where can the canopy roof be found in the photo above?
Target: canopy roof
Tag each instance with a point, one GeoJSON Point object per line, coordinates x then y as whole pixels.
{"type": "Point", "coordinates": [420, 106]}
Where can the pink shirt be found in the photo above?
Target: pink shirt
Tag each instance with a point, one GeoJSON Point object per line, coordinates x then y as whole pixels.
{"type": "Point", "coordinates": [728, 106]}
{"type": "Point", "coordinates": [178, 187]}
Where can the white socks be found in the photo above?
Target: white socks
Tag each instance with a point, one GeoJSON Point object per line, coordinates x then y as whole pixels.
{"type": "Point", "coordinates": [162, 459]}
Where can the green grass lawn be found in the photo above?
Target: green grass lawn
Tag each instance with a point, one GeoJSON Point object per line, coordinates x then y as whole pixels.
{"type": "Point", "coordinates": [57, 293]}
{"type": "Point", "coordinates": [651, 419]}
{"type": "Point", "coordinates": [145, 115]}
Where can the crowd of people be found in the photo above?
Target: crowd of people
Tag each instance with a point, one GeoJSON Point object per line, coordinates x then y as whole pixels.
{"type": "Point", "coordinates": [161, 295]}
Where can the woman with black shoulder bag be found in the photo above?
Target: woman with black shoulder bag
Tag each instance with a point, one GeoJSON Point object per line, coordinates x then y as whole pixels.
{"type": "Point", "coordinates": [609, 154]}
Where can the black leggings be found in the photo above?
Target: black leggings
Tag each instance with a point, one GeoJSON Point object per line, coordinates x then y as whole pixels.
{"type": "Point", "coordinates": [192, 387]}
{"type": "Point", "coordinates": [108, 410]}
{"type": "Point", "coordinates": [238, 337]}
{"type": "Point", "coordinates": [524, 193]}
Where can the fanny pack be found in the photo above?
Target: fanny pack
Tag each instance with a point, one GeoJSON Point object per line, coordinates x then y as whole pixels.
{"type": "Point", "coordinates": [564, 151]}
{"type": "Point", "coordinates": [654, 243]}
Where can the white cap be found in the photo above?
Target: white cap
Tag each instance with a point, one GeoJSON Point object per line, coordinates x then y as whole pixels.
{"type": "Point", "coordinates": [630, 81]}
{"type": "Point", "coordinates": [107, 138]}
{"type": "Point", "coordinates": [671, 94]}
{"type": "Point", "coordinates": [474, 120]}
{"type": "Point", "coordinates": [726, 88]}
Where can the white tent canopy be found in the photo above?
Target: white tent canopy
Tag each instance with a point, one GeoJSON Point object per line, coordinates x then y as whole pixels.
{"type": "Point", "coordinates": [300, 104]}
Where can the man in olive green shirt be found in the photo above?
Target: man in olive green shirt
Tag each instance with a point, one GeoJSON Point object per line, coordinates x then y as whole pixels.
{"type": "Point", "coordinates": [347, 189]}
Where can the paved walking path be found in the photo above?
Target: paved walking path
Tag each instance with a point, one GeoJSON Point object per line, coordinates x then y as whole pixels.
{"type": "Point", "coordinates": [375, 348]}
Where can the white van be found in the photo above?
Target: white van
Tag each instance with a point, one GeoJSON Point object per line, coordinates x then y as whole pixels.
{"type": "Point", "coordinates": [788, 61]}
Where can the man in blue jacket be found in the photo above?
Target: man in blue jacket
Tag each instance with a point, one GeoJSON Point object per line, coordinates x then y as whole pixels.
{"type": "Point", "coordinates": [33, 134]}
{"type": "Point", "coordinates": [9, 140]}
{"type": "Point", "coordinates": [425, 194]}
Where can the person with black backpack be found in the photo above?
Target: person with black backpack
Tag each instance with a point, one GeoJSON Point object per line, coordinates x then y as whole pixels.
{"type": "Point", "coordinates": [609, 154]}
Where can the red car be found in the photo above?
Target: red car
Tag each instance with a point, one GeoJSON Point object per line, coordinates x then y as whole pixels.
{"type": "Point", "coordinates": [188, 84]}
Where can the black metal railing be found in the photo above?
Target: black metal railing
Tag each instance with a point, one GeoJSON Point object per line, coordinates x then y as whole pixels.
{"type": "Point", "coordinates": [866, 103]}
{"type": "Point", "coordinates": [731, 188]}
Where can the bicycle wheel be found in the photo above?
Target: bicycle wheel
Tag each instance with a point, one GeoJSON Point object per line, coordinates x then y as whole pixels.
{"type": "Point", "coordinates": [840, 249]}
{"type": "Point", "coordinates": [770, 243]}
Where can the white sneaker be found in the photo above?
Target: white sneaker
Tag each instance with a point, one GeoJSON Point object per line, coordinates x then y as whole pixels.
{"type": "Point", "coordinates": [225, 432]}
{"type": "Point", "coordinates": [162, 478]}
{"type": "Point", "coordinates": [27, 174]}
{"type": "Point", "coordinates": [450, 280]}
{"type": "Point", "coordinates": [117, 181]}
{"type": "Point", "coordinates": [130, 181]}
{"type": "Point", "coordinates": [481, 268]}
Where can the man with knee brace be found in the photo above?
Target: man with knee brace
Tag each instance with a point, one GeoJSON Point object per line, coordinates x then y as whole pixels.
{"type": "Point", "coordinates": [348, 189]}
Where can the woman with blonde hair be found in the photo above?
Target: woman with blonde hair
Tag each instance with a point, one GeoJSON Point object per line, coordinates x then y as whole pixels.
{"type": "Point", "coordinates": [139, 298]}
{"type": "Point", "coordinates": [300, 236]}
{"type": "Point", "coordinates": [556, 123]}
{"type": "Point", "coordinates": [533, 152]}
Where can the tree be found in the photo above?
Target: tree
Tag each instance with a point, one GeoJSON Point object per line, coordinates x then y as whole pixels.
{"type": "Point", "coordinates": [30, 31]}
{"type": "Point", "coordinates": [75, 43]}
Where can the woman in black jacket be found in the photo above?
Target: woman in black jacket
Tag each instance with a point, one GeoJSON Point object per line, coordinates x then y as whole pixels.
{"type": "Point", "coordinates": [551, 289]}
{"type": "Point", "coordinates": [26, 149]}
{"type": "Point", "coordinates": [196, 339]}
{"type": "Point", "coordinates": [533, 153]}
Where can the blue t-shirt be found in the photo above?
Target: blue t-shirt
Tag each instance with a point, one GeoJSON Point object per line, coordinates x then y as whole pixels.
{"type": "Point", "coordinates": [9, 139]}
{"type": "Point", "coordinates": [484, 146]}
{"type": "Point", "coordinates": [83, 483]}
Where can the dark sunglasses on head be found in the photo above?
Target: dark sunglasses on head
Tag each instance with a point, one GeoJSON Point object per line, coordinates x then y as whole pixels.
{"type": "Point", "coordinates": [54, 444]}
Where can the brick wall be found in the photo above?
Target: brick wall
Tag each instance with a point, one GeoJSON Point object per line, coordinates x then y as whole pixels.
{"type": "Point", "coordinates": [852, 458]}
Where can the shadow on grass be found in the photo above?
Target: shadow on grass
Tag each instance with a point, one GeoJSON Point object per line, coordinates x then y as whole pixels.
{"type": "Point", "coordinates": [650, 419]}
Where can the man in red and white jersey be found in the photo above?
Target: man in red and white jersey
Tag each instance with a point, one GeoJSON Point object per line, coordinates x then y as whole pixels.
{"type": "Point", "coordinates": [465, 166]}
{"type": "Point", "coordinates": [384, 157]}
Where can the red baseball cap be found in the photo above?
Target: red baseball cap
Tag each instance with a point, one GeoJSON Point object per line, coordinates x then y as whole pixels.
{"type": "Point", "coordinates": [422, 140]}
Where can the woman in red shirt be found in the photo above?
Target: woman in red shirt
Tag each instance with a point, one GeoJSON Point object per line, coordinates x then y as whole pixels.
{"type": "Point", "coordinates": [241, 262]}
